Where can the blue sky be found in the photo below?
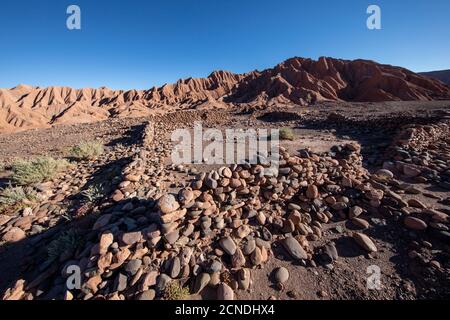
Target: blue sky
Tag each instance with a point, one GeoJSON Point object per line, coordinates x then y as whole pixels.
{"type": "Point", "coordinates": [139, 44]}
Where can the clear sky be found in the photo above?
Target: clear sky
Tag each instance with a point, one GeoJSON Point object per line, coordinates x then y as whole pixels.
{"type": "Point", "coordinates": [137, 44]}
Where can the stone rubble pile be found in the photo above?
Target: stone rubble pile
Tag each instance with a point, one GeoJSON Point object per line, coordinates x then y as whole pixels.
{"type": "Point", "coordinates": [54, 199]}
{"type": "Point", "coordinates": [214, 232]}
{"type": "Point", "coordinates": [422, 153]}
{"type": "Point", "coordinates": [210, 235]}
{"type": "Point", "coordinates": [142, 176]}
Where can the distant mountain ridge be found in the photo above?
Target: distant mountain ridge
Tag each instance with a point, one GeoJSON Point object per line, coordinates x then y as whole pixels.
{"type": "Point", "coordinates": [441, 75]}
{"type": "Point", "coordinates": [296, 81]}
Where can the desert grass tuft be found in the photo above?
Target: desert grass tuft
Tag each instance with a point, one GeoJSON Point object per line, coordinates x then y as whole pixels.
{"type": "Point", "coordinates": [287, 134]}
{"type": "Point", "coordinates": [15, 196]}
{"type": "Point", "coordinates": [87, 150]}
{"type": "Point", "coordinates": [27, 172]}
{"type": "Point", "coordinates": [94, 192]}
{"type": "Point", "coordinates": [174, 291]}
{"type": "Point", "coordinates": [65, 244]}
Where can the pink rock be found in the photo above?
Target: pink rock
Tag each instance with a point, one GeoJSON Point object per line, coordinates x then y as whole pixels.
{"type": "Point", "coordinates": [167, 204]}
{"type": "Point", "coordinates": [415, 223]}
{"type": "Point", "coordinates": [105, 241]}
{"type": "Point", "coordinates": [224, 292]}
{"type": "Point", "coordinates": [14, 235]}
{"type": "Point", "coordinates": [312, 192]}
{"type": "Point", "coordinates": [411, 171]}
{"type": "Point", "coordinates": [148, 280]}
{"type": "Point", "coordinates": [104, 261]}
{"type": "Point", "coordinates": [131, 238]}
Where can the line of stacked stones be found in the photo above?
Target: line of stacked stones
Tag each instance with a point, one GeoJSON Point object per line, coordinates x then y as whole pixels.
{"type": "Point", "coordinates": [135, 172]}
{"type": "Point", "coordinates": [421, 153]}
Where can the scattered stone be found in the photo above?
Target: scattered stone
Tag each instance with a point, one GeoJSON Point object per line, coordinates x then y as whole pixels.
{"type": "Point", "coordinates": [294, 248]}
{"type": "Point", "coordinates": [384, 174]}
{"type": "Point", "coordinates": [14, 235]}
{"type": "Point", "coordinates": [365, 242]}
{"type": "Point", "coordinates": [147, 295]}
{"type": "Point", "coordinates": [148, 280]}
{"type": "Point", "coordinates": [361, 223]}
{"type": "Point", "coordinates": [131, 238]}
{"type": "Point", "coordinates": [411, 171]}
{"type": "Point", "coordinates": [330, 252]}
{"type": "Point", "coordinates": [281, 275]}
{"type": "Point", "coordinates": [121, 282]}
{"type": "Point", "coordinates": [175, 268]}
{"type": "Point", "coordinates": [106, 240]}
{"type": "Point", "coordinates": [224, 292]}
{"type": "Point", "coordinates": [167, 204]}
{"type": "Point", "coordinates": [416, 204]}
{"type": "Point", "coordinates": [227, 220]}
{"type": "Point", "coordinates": [312, 192]}
{"type": "Point", "coordinates": [228, 245]}
{"type": "Point", "coordinates": [257, 257]}
{"type": "Point", "coordinates": [244, 279]}
{"type": "Point", "coordinates": [355, 212]}
{"type": "Point", "coordinates": [415, 224]}
{"type": "Point", "coordinates": [201, 282]}
{"type": "Point", "coordinates": [133, 266]}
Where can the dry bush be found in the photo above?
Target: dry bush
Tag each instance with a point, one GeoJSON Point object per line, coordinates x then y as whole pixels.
{"type": "Point", "coordinates": [16, 197]}
{"type": "Point", "coordinates": [174, 291]}
{"type": "Point", "coordinates": [87, 150]}
{"type": "Point", "coordinates": [287, 134]}
{"type": "Point", "coordinates": [26, 172]}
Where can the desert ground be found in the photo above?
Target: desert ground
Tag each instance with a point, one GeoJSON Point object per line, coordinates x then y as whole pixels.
{"type": "Point", "coordinates": [360, 185]}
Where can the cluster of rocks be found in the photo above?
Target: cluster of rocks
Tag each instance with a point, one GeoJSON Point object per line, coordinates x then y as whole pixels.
{"type": "Point", "coordinates": [208, 236]}
{"type": "Point", "coordinates": [422, 153]}
{"type": "Point", "coordinates": [417, 163]}
{"type": "Point", "coordinates": [214, 232]}
{"type": "Point", "coordinates": [142, 176]}
{"type": "Point", "coordinates": [56, 200]}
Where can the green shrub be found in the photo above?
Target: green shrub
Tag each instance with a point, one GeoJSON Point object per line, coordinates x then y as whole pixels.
{"type": "Point", "coordinates": [87, 150]}
{"type": "Point", "coordinates": [94, 192]}
{"type": "Point", "coordinates": [11, 196]}
{"type": "Point", "coordinates": [66, 243]}
{"type": "Point", "coordinates": [174, 291]}
{"type": "Point", "coordinates": [26, 172]}
{"type": "Point", "coordinates": [287, 134]}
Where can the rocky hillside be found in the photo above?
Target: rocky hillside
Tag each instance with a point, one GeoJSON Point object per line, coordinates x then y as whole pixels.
{"type": "Point", "coordinates": [295, 81]}
{"type": "Point", "coordinates": [303, 81]}
{"type": "Point", "coordinates": [442, 75]}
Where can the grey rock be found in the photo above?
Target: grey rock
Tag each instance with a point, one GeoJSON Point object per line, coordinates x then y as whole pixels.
{"type": "Point", "coordinates": [216, 266]}
{"type": "Point", "coordinates": [249, 247]}
{"type": "Point", "coordinates": [201, 282]}
{"type": "Point", "coordinates": [121, 282]}
{"type": "Point", "coordinates": [133, 266]}
{"type": "Point", "coordinates": [228, 245]}
{"type": "Point", "coordinates": [330, 253]}
{"type": "Point", "coordinates": [175, 268]}
{"type": "Point", "coordinates": [224, 292]}
{"type": "Point", "coordinates": [281, 275]}
{"type": "Point", "coordinates": [162, 282]}
{"type": "Point", "coordinates": [294, 248]}
{"type": "Point", "coordinates": [147, 295]}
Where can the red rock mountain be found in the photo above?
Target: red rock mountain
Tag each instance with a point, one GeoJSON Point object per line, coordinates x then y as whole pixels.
{"type": "Point", "coordinates": [296, 81]}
